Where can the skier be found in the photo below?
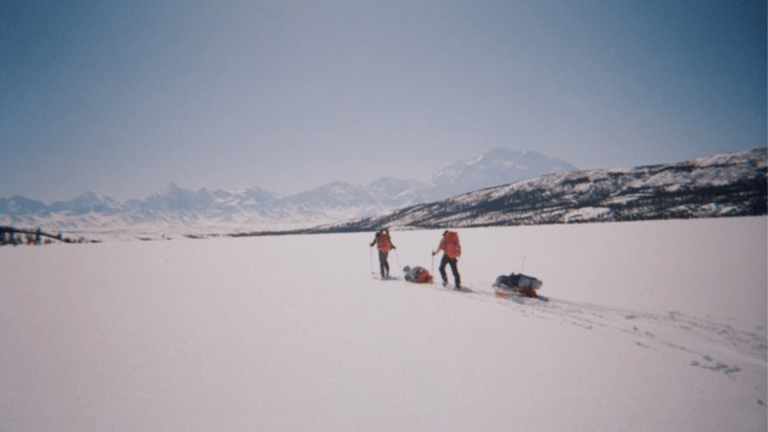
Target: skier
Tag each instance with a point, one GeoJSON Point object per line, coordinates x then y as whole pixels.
{"type": "Point", "coordinates": [449, 244]}
{"type": "Point", "coordinates": [385, 244]}
{"type": "Point", "coordinates": [519, 284]}
{"type": "Point", "coordinates": [417, 274]}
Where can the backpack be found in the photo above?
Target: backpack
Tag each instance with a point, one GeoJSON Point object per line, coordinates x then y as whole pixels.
{"type": "Point", "coordinates": [385, 244]}
{"type": "Point", "coordinates": [424, 277]}
{"type": "Point", "coordinates": [451, 244]}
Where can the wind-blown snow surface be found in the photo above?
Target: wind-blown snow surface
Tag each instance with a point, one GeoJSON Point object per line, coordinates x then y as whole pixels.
{"type": "Point", "coordinates": [652, 326]}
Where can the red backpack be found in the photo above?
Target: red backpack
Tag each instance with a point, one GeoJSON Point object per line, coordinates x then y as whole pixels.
{"type": "Point", "coordinates": [451, 244]}
{"type": "Point", "coordinates": [385, 244]}
{"type": "Point", "coordinates": [424, 277]}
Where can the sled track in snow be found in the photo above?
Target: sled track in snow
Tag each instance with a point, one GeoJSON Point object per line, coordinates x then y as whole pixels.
{"type": "Point", "coordinates": [674, 331]}
{"type": "Point", "coordinates": [662, 329]}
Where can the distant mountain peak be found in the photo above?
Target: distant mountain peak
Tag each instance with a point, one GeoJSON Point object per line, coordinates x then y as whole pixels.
{"type": "Point", "coordinates": [503, 153]}
{"type": "Point", "coordinates": [171, 189]}
{"type": "Point", "coordinates": [494, 167]}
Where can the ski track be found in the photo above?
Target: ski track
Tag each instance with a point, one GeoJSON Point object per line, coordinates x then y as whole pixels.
{"type": "Point", "coordinates": [672, 331]}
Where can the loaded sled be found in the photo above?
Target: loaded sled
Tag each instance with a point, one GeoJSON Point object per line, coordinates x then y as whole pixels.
{"type": "Point", "coordinates": [417, 275]}
{"type": "Point", "coordinates": [517, 285]}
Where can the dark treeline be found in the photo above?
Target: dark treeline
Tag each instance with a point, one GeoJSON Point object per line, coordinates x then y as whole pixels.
{"type": "Point", "coordinates": [11, 236]}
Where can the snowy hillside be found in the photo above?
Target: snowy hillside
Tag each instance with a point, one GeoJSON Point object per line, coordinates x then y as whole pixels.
{"type": "Point", "coordinates": [722, 185]}
{"type": "Point", "coordinates": [651, 326]}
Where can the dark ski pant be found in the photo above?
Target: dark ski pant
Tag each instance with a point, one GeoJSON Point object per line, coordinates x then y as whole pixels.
{"type": "Point", "coordinates": [383, 264]}
{"type": "Point", "coordinates": [454, 268]}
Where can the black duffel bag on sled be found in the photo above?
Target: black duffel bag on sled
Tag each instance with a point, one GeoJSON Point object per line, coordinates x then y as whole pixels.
{"type": "Point", "coordinates": [517, 284]}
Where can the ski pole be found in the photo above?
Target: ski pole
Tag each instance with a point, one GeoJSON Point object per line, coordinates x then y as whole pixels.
{"type": "Point", "coordinates": [370, 249]}
{"type": "Point", "coordinates": [433, 264]}
{"type": "Point", "coordinates": [398, 259]}
{"type": "Point", "coordinates": [523, 266]}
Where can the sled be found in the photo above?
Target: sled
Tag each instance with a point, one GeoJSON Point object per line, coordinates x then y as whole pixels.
{"type": "Point", "coordinates": [506, 292]}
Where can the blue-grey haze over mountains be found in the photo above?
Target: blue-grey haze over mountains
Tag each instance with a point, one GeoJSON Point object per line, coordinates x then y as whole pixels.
{"type": "Point", "coordinates": [123, 97]}
{"type": "Point", "coordinates": [504, 187]}
{"type": "Point", "coordinates": [492, 168]}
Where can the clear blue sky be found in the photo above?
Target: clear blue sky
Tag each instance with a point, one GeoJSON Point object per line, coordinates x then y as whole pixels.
{"type": "Point", "coordinates": [121, 97]}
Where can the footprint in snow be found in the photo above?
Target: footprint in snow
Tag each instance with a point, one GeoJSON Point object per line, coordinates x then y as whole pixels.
{"type": "Point", "coordinates": [716, 365]}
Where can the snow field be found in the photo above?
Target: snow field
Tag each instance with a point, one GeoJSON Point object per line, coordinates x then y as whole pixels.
{"type": "Point", "coordinates": [293, 333]}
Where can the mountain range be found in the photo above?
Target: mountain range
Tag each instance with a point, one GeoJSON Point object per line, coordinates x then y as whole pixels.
{"type": "Point", "coordinates": [499, 187]}
{"type": "Point", "coordinates": [177, 209]}
{"type": "Point", "coordinates": [732, 184]}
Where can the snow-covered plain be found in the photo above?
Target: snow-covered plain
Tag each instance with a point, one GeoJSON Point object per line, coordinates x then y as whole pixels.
{"type": "Point", "coordinates": [652, 326]}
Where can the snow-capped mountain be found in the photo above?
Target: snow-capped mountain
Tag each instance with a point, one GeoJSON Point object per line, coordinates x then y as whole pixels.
{"type": "Point", "coordinates": [19, 205]}
{"type": "Point", "coordinates": [493, 168]}
{"type": "Point", "coordinates": [88, 202]}
{"type": "Point", "coordinates": [175, 199]}
{"type": "Point", "coordinates": [397, 192]}
{"type": "Point", "coordinates": [336, 195]}
{"type": "Point", "coordinates": [731, 184]}
{"type": "Point", "coordinates": [525, 187]}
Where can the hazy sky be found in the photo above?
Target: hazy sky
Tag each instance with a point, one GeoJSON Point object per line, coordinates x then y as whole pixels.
{"type": "Point", "coordinates": [121, 97]}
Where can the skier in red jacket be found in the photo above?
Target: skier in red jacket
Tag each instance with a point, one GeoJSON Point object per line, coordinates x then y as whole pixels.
{"type": "Point", "coordinates": [385, 245]}
{"type": "Point", "coordinates": [449, 244]}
